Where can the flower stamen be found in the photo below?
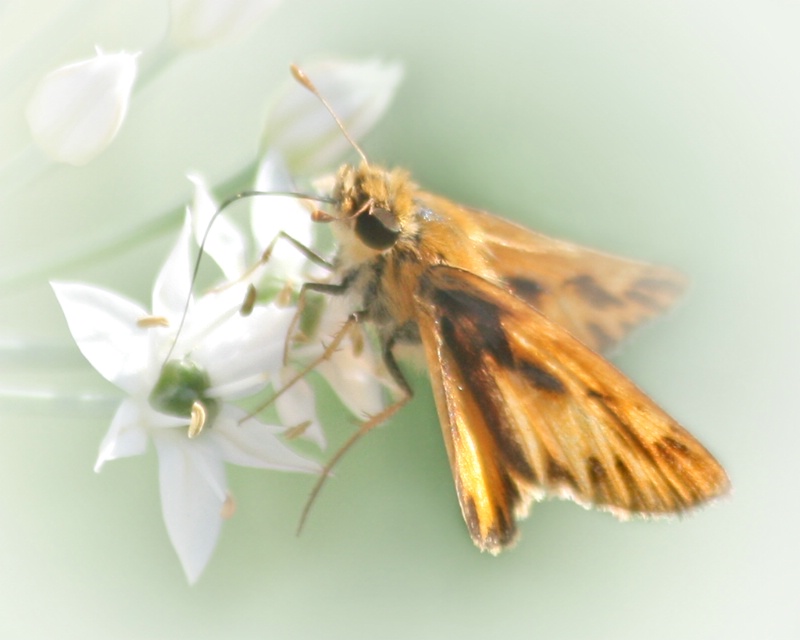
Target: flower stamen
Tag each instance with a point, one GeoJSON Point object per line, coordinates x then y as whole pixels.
{"type": "Point", "coordinates": [297, 430]}
{"type": "Point", "coordinates": [249, 302]}
{"type": "Point", "coordinates": [228, 507]}
{"type": "Point", "coordinates": [198, 419]}
{"type": "Point", "coordinates": [149, 322]}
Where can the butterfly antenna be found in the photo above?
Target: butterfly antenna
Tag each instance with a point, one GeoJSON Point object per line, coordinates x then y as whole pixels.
{"type": "Point", "coordinates": [303, 79]}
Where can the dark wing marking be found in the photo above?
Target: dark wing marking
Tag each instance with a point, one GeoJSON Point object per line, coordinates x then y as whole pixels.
{"type": "Point", "coordinates": [529, 411]}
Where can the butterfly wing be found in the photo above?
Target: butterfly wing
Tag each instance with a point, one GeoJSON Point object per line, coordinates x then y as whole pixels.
{"type": "Point", "coordinates": [599, 298]}
{"type": "Point", "coordinates": [529, 411]}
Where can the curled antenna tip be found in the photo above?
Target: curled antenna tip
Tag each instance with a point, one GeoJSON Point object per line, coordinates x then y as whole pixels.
{"type": "Point", "coordinates": [300, 76]}
{"type": "Point", "coordinates": [304, 80]}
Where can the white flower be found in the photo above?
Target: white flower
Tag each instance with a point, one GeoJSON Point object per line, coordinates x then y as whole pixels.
{"type": "Point", "coordinates": [299, 127]}
{"type": "Point", "coordinates": [219, 356]}
{"type": "Point", "coordinates": [180, 386]}
{"type": "Point", "coordinates": [355, 374]}
{"type": "Point", "coordinates": [77, 110]}
{"type": "Point", "coordinates": [204, 23]}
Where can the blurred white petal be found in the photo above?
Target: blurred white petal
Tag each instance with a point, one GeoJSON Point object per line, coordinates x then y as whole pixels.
{"type": "Point", "coordinates": [77, 110]}
{"type": "Point", "coordinates": [304, 132]}
{"type": "Point", "coordinates": [204, 23]}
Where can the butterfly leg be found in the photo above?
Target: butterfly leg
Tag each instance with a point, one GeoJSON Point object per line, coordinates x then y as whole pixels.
{"type": "Point", "coordinates": [370, 423]}
{"type": "Point", "coordinates": [326, 353]}
{"type": "Point", "coordinates": [308, 253]}
{"type": "Point", "coordinates": [326, 288]}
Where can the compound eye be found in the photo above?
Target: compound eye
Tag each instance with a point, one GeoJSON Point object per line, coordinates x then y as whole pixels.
{"type": "Point", "coordinates": [377, 228]}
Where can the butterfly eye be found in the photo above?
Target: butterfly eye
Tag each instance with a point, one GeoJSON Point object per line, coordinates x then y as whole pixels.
{"type": "Point", "coordinates": [377, 228]}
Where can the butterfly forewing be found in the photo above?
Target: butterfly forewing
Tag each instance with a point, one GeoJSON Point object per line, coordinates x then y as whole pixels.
{"type": "Point", "coordinates": [527, 410]}
{"type": "Point", "coordinates": [487, 490]}
{"type": "Point", "coordinates": [599, 298]}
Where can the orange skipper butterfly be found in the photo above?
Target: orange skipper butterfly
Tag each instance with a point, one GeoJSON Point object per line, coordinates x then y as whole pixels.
{"type": "Point", "coordinates": [511, 324]}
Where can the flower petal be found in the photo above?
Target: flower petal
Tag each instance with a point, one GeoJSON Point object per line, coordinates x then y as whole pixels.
{"type": "Point", "coordinates": [193, 492]}
{"type": "Point", "coordinates": [308, 137]}
{"type": "Point", "coordinates": [173, 283]}
{"type": "Point", "coordinates": [273, 214]}
{"type": "Point", "coordinates": [126, 437]}
{"type": "Point", "coordinates": [353, 379]}
{"type": "Point", "coordinates": [204, 23]}
{"type": "Point", "coordinates": [77, 110]}
{"type": "Point", "coordinates": [357, 378]}
{"type": "Point", "coordinates": [297, 406]}
{"type": "Point", "coordinates": [253, 444]}
{"type": "Point", "coordinates": [245, 346]}
{"type": "Point", "coordinates": [103, 324]}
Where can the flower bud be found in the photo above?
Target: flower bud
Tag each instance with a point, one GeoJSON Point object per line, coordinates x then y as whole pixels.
{"type": "Point", "coordinates": [76, 110]}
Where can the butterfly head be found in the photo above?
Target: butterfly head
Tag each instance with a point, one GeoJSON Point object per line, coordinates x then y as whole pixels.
{"type": "Point", "coordinates": [375, 206]}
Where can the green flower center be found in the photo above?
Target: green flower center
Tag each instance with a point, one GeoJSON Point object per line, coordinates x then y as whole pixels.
{"type": "Point", "coordinates": [180, 386]}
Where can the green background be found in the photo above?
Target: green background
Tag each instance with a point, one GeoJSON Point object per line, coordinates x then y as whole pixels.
{"type": "Point", "coordinates": [665, 131]}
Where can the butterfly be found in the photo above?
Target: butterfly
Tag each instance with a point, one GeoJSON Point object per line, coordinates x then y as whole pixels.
{"type": "Point", "coordinates": [512, 325]}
